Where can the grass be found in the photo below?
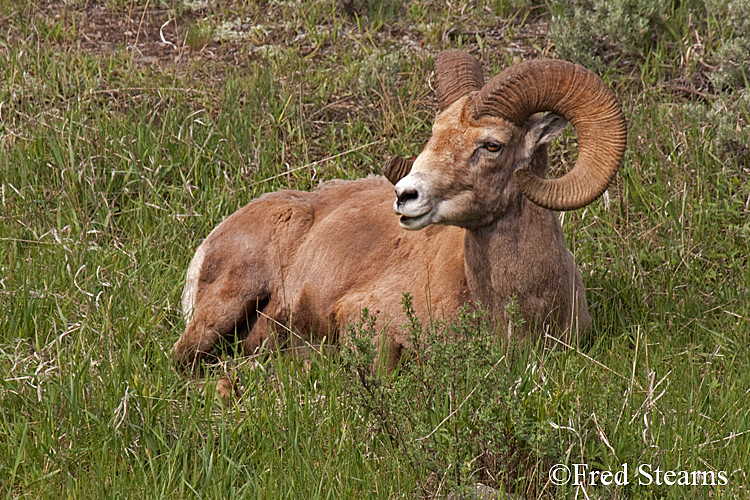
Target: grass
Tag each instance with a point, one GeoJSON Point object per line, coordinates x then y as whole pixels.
{"type": "Point", "coordinates": [119, 153]}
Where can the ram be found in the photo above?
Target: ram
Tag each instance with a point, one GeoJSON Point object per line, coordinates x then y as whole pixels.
{"type": "Point", "coordinates": [294, 267]}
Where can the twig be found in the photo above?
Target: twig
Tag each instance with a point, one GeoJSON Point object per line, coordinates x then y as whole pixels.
{"type": "Point", "coordinates": [161, 35]}
{"type": "Point", "coordinates": [449, 416]}
{"type": "Point", "coordinates": [587, 357]}
{"type": "Point", "coordinates": [462, 402]}
{"type": "Point", "coordinates": [603, 437]}
{"type": "Point", "coordinates": [20, 240]}
{"type": "Point", "coordinates": [632, 378]}
{"type": "Point", "coordinates": [307, 343]}
{"type": "Point", "coordinates": [141, 89]}
{"type": "Point", "coordinates": [732, 435]}
{"type": "Point", "coordinates": [708, 363]}
{"type": "Point", "coordinates": [650, 400]}
{"type": "Point", "coordinates": [313, 164]}
{"type": "Point", "coordinates": [140, 24]}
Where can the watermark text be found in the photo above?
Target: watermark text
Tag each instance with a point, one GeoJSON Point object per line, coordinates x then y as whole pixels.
{"type": "Point", "coordinates": [641, 474]}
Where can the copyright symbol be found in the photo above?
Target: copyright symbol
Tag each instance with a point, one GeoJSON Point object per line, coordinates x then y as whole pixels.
{"type": "Point", "coordinates": [559, 474]}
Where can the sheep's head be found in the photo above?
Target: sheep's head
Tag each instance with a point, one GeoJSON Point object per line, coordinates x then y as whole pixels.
{"type": "Point", "coordinates": [488, 144]}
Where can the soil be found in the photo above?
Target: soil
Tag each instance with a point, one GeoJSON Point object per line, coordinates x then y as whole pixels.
{"type": "Point", "coordinates": [159, 35]}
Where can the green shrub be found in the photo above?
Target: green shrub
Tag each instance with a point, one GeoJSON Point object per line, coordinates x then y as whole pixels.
{"type": "Point", "coordinates": [733, 56]}
{"type": "Point", "coordinates": [661, 38]}
{"type": "Point", "coordinates": [465, 407]}
{"type": "Point", "coordinates": [727, 119]}
{"type": "Point", "coordinates": [600, 33]}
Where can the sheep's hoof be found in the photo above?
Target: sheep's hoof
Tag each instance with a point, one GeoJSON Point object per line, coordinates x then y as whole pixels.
{"type": "Point", "coordinates": [225, 389]}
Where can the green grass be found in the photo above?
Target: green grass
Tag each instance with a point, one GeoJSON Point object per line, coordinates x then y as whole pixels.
{"type": "Point", "coordinates": [114, 167]}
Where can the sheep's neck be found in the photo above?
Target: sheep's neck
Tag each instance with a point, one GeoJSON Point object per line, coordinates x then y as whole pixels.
{"type": "Point", "coordinates": [514, 255]}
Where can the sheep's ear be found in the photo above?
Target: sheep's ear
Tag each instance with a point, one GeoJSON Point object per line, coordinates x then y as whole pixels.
{"type": "Point", "coordinates": [544, 130]}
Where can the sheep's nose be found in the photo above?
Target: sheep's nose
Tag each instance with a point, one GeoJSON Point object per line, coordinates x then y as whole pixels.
{"type": "Point", "coordinates": [405, 194]}
{"type": "Point", "coordinates": [412, 197]}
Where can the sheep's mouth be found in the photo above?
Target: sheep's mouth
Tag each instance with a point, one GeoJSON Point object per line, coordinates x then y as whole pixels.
{"type": "Point", "coordinates": [414, 223]}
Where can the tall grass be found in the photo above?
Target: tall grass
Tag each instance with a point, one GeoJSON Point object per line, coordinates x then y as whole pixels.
{"type": "Point", "coordinates": [113, 170]}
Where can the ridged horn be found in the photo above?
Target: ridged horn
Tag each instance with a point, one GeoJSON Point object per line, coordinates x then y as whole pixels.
{"type": "Point", "coordinates": [456, 74]}
{"type": "Point", "coordinates": [396, 168]}
{"type": "Point", "coordinates": [586, 102]}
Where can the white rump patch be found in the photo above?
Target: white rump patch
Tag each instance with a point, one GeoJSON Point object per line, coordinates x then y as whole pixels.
{"type": "Point", "coordinates": [191, 283]}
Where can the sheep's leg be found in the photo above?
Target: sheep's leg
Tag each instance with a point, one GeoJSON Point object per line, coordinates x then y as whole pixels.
{"type": "Point", "coordinates": [219, 313]}
{"type": "Point", "coordinates": [389, 352]}
{"type": "Point", "coordinates": [195, 344]}
{"type": "Point", "coordinates": [262, 332]}
{"type": "Point", "coordinates": [202, 338]}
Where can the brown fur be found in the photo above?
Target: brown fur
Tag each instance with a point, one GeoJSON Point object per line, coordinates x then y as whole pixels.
{"type": "Point", "coordinates": [311, 261]}
{"type": "Point", "coordinates": [316, 260]}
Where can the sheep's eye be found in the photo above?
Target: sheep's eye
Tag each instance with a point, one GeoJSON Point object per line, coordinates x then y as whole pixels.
{"type": "Point", "coordinates": [493, 147]}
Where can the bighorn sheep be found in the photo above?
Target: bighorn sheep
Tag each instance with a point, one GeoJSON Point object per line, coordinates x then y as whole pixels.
{"type": "Point", "coordinates": [308, 262]}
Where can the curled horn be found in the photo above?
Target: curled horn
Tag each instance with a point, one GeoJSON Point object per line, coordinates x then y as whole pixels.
{"type": "Point", "coordinates": [396, 168]}
{"type": "Point", "coordinates": [456, 74]}
{"type": "Point", "coordinates": [586, 102]}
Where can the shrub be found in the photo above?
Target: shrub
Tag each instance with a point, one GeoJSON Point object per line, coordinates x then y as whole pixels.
{"type": "Point", "coordinates": [600, 33]}
{"type": "Point", "coordinates": [733, 56]}
{"type": "Point", "coordinates": [630, 33]}
{"type": "Point", "coordinates": [727, 125]}
{"type": "Point", "coordinates": [458, 412]}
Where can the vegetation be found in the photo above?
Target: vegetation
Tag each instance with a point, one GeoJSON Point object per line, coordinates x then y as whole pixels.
{"type": "Point", "coordinates": [130, 128]}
